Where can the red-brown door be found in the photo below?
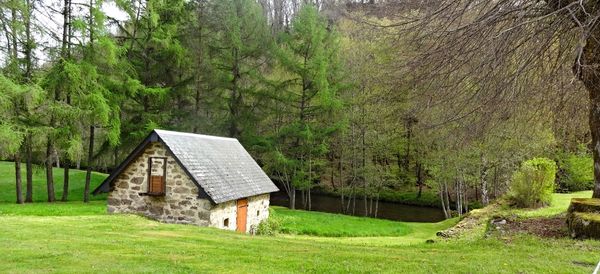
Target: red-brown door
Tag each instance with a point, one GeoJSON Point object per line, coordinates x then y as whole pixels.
{"type": "Point", "coordinates": [242, 214]}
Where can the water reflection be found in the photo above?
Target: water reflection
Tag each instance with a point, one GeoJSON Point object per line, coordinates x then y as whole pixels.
{"type": "Point", "coordinates": [391, 211]}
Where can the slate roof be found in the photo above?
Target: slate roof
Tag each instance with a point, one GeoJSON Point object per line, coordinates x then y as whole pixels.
{"type": "Point", "coordinates": [220, 167]}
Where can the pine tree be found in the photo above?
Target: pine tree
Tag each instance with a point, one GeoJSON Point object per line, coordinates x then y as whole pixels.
{"type": "Point", "coordinates": [308, 54]}
{"type": "Point", "coordinates": [239, 48]}
{"type": "Point", "coordinates": [159, 66]}
{"type": "Point", "coordinates": [16, 101]}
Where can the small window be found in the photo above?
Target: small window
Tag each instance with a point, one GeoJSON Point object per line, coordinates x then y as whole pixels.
{"type": "Point", "coordinates": [157, 172]}
{"type": "Point", "coordinates": [226, 222]}
{"type": "Point", "coordinates": [257, 213]}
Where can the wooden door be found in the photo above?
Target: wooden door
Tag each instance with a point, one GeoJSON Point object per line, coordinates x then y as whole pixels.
{"type": "Point", "coordinates": [242, 214]}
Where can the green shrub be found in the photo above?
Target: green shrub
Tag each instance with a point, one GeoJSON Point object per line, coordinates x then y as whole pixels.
{"type": "Point", "coordinates": [269, 227]}
{"type": "Point", "coordinates": [577, 173]}
{"type": "Point", "coordinates": [533, 183]}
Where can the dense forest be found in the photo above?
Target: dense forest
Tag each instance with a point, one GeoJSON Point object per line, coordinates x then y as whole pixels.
{"type": "Point", "coordinates": [362, 99]}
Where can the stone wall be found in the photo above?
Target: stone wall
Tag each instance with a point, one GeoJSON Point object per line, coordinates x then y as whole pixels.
{"type": "Point", "coordinates": [180, 204]}
{"type": "Point", "coordinates": [258, 210]}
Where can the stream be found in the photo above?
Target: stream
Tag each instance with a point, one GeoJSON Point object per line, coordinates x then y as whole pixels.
{"type": "Point", "coordinates": [387, 210]}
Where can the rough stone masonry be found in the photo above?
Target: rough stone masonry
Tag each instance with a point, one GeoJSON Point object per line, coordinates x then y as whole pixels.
{"type": "Point", "coordinates": [180, 204]}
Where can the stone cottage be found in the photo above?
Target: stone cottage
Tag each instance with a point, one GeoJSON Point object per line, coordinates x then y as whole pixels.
{"type": "Point", "coordinates": [189, 178]}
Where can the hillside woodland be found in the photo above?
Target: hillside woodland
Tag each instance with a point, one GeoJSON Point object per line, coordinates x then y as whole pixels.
{"type": "Point", "coordinates": [361, 99]}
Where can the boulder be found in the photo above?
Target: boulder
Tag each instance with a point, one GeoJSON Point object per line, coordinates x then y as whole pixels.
{"type": "Point", "coordinates": [498, 222]}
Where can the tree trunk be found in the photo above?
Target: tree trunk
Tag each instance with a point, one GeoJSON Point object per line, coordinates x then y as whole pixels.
{"type": "Point", "coordinates": [18, 181]}
{"type": "Point", "coordinates": [14, 50]}
{"type": "Point", "coordinates": [293, 197]}
{"type": "Point", "coordinates": [364, 162]}
{"type": "Point", "coordinates": [459, 197]}
{"type": "Point", "coordinates": [419, 169]}
{"type": "Point", "coordinates": [376, 205]}
{"type": "Point", "coordinates": [591, 80]}
{"type": "Point", "coordinates": [342, 189]}
{"type": "Point", "coordinates": [354, 204]}
{"type": "Point", "coordinates": [309, 201]}
{"type": "Point", "coordinates": [366, 203]}
{"type": "Point", "coordinates": [88, 174]}
{"type": "Point", "coordinates": [495, 183]}
{"type": "Point", "coordinates": [56, 158]}
{"type": "Point", "coordinates": [408, 140]}
{"type": "Point", "coordinates": [65, 26]}
{"type": "Point", "coordinates": [347, 210]}
{"type": "Point", "coordinates": [29, 167]}
{"type": "Point", "coordinates": [590, 76]}
{"type": "Point", "coordinates": [28, 48]}
{"type": "Point", "coordinates": [49, 175]}
{"type": "Point", "coordinates": [447, 198]}
{"type": "Point", "coordinates": [235, 102]}
{"type": "Point", "coordinates": [484, 183]}
{"type": "Point", "coordinates": [442, 200]}
{"type": "Point", "coordinates": [65, 194]}
{"type": "Point", "coordinates": [332, 178]}
{"type": "Point", "coordinates": [28, 52]}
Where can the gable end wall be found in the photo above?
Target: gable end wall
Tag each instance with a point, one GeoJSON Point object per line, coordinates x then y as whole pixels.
{"type": "Point", "coordinates": [180, 204]}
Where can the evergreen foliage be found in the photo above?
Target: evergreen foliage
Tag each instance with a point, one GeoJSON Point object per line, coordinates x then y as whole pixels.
{"type": "Point", "coordinates": [309, 98]}
{"type": "Point", "coordinates": [317, 97]}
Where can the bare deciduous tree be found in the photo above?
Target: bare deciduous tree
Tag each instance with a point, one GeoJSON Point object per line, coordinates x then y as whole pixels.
{"type": "Point", "coordinates": [497, 52]}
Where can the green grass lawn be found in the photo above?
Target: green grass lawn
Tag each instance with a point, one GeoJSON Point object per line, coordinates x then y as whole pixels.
{"type": "Point", "coordinates": [75, 237]}
{"type": "Point", "coordinates": [334, 225]}
{"type": "Point", "coordinates": [560, 202]}
{"type": "Point", "coordinates": [76, 183]}
{"type": "Point", "coordinates": [128, 244]}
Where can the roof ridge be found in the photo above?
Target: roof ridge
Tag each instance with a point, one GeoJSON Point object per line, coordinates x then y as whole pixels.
{"type": "Point", "coordinates": [159, 131]}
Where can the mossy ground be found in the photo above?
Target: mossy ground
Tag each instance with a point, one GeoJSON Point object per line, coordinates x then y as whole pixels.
{"type": "Point", "coordinates": [589, 216]}
{"type": "Point", "coordinates": [585, 205]}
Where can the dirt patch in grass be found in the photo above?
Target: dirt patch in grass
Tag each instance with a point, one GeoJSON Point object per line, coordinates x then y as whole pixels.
{"type": "Point", "coordinates": [554, 227]}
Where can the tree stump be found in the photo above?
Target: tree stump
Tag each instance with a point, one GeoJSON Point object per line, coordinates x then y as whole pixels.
{"type": "Point", "coordinates": [583, 218]}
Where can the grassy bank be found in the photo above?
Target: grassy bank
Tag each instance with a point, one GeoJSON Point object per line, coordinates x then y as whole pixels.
{"type": "Point", "coordinates": [334, 225]}
{"type": "Point", "coordinates": [560, 202]}
{"type": "Point", "coordinates": [76, 183]}
{"type": "Point", "coordinates": [125, 243]}
{"type": "Point", "coordinates": [75, 237]}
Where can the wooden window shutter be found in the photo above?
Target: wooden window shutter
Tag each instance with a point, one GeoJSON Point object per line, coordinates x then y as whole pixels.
{"type": "Point", "coordinates": [157, 174]}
